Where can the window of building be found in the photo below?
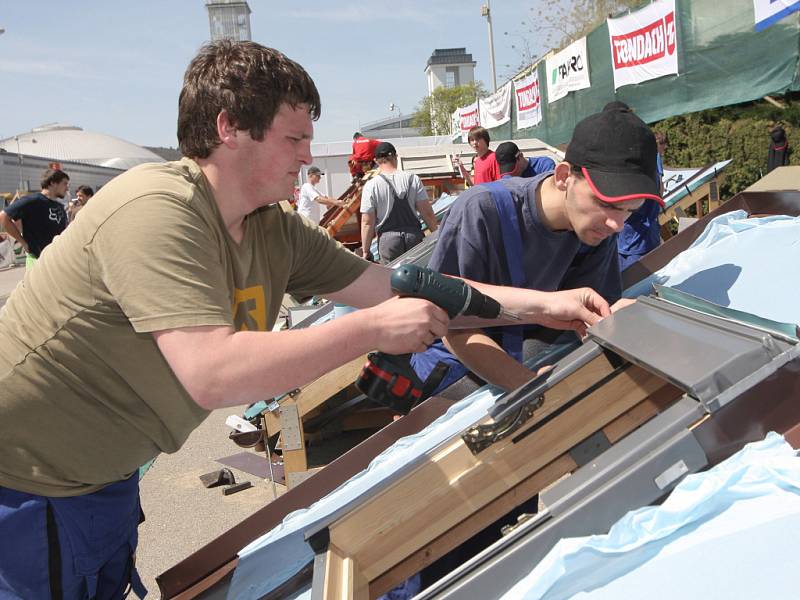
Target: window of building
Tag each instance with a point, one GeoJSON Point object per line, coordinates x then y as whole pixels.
{"type": "Point", "coordinates": [451, 77]}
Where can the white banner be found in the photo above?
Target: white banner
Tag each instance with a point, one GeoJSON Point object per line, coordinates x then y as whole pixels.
{"type": "Point", "coordinates": [496, 109]}
{"type": "Point", "coordinates": [644, 44]}
{"type": "Point", "coordinates": [467, 119]}
{"type": "Point", "coordinates": [768, 12]}
{"type": "Point", "coordinates": [568, 71]}
{"type": "Point", "coordinates": [529, 101]}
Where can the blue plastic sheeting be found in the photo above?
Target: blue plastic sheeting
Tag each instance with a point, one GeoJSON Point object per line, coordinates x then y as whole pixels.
{"type": "Point", "coordinates": [739, 263]}
{"type": "Point", "coordinates": [727, 533]}
{"type": "Point", "coordinates": [276, 556]}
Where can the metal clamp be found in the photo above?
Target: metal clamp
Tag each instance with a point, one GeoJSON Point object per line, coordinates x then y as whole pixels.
{"type": "Point", "coordinates": [480, 437]}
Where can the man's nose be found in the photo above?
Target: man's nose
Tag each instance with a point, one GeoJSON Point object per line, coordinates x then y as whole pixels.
{"type": "Point", "coordinates": [305, 153]}
{"type": "Point", "coordinates": [617, 222]}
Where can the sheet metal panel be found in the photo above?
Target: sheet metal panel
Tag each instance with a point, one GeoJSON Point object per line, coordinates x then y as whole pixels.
{"type": "Point", "coordinates": [701, 354]}
{"type": "Point", "coordinates": [588, 502]}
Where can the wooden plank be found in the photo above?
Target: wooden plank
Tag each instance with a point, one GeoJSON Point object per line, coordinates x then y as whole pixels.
{"type": "Point", "coordinates": [642, 412]}
{"type": "Point", "coordinates": [454, 484]}
{"type": "Point", "coordinates": [563, 465]}
{"type": "Point", "coordinates": [318, 391]}
{"type": "Point", "coordinates": [477, 522]}
{"type": "Point", "coordinates": [343, 578]}
{"type": "Point", "coordinates": [370, 418]}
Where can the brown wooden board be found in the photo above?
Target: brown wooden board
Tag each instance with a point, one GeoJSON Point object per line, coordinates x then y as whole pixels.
{"type": "Point", "coordinates": [453, 483]}
{"type": "Point", "coordinates": [207, 566]}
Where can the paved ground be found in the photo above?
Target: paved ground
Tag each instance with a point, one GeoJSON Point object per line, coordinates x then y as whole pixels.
{"type": "Point", "coordinates": [9, 278]}
{"type": "Point", "coordinates": [181, 514]}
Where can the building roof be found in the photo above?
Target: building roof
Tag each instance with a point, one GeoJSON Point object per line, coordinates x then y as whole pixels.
{"type": "Point", "coordinates": [450, 56]}
{"type": "Point", "coordinates": [59, 141]}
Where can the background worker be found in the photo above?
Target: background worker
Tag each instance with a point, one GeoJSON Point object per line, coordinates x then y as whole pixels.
{"type": "Point", "coordinates": [82, 195]}
{"type": "Point", "coordinates": [311, 201]}
{"type": "Point", "coordinates": [550, 232]}
{"type": "Point", "coordinates": [511, 161]}
{"type": "Point", "coordinates": [390, 204]}
{"type": "Point", "coordinates": [642, 231]}
{"type": "Point", "coordinates": [157, 307]}
{"type": "Point", "coordinates": [362, 156]}
{"type": "Point", "coordinates": [41, 215]}
{"type": "Point", "coordinates": [484, 166]}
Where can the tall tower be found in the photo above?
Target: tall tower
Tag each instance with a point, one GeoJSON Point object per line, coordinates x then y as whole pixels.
{"type": "Point", "coordinates": [449, 67]}
{"type": "Point", "coordinates": [229, 19]}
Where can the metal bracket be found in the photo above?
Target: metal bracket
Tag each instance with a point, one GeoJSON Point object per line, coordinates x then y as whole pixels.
{"type": "Point", "coordinates": [480, 437]}
{"type": "Point", "coordinates": [290, 427]}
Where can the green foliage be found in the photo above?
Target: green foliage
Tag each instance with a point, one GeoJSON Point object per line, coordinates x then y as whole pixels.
{"type": "Point", "coordinates": [739, 132]}
{"type": "Point", "coordinates": [433, 112]}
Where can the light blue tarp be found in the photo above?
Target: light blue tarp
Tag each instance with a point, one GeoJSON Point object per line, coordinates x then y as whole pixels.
{"type": "Point", "coordinates": [751, 265]}
{"type": "Point", "coordinates": [278, 555]}
{"type": "Point", "coordinates": [749, 271]}
{"type": "Point", "coordinates": [730, 532]}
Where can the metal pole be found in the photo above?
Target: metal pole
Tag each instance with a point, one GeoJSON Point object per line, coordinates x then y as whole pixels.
{"type": "Point", "coordinates": [488, 14]}
{"type": "Point", "coordinates": [19, 160]}
{"type": "Point", "coordinates": [400, 115]}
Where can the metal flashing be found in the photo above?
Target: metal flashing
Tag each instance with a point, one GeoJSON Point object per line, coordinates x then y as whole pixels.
{"type": "Point", "coordinates": [701, 354]}
{"type": "Point", "coordinates": [587, 502]}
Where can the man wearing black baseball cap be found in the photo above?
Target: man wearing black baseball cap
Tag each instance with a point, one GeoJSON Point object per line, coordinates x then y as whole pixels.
{"type": "Point", "coordinates": [554, 231]}
{"type": "Point", "coordinates": [513, 162]}
{"type": "Point", "coordinates": [390, 203]}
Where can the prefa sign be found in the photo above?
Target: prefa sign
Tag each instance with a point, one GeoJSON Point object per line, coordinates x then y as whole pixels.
{"type": "Point", "coordinates": [644, 44]}
{"type": "Point", "coordinates": [529, 101]}
{"type": "Point", "coordinates": [567, 71]}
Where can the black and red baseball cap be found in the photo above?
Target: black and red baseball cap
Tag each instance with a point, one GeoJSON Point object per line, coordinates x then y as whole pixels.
{"type": "Point", "coordinates": [616, 152]}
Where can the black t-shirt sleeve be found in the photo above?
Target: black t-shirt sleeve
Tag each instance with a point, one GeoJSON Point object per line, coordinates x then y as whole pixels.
{"type": "Point", "coordinates": [16, 210]}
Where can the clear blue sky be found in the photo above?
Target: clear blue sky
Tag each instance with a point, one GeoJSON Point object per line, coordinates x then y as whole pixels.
{"type": "Point", "coordinates": [116, 67]}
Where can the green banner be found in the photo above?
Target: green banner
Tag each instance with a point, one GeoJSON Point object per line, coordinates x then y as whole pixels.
{"type": "Point", "coordinates": [722, 60]}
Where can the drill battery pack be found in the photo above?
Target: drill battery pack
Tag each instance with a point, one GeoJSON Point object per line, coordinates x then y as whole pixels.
{"type": "Point", "coordinates": [389, 380]}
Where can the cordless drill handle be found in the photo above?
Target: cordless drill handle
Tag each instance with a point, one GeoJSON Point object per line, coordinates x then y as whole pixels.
{"type": "Point", "coordinates": [449, 293]}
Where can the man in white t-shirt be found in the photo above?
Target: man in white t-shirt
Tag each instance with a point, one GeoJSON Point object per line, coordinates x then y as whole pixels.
{"type": "Point", "coordinates": [311, 201]}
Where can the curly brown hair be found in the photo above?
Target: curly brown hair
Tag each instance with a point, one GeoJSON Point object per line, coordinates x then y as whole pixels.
{"type": "Point", "coordinates": [245, 79]}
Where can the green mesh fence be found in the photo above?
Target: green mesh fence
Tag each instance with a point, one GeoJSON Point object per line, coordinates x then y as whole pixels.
{"type": "Point", "coordinates": [721, 61]}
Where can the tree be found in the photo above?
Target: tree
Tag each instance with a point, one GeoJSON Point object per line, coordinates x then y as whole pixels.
{"type": "Point", "coordinates": [433, 112]}
{"type": "Point", "coordinates": [554, 25]}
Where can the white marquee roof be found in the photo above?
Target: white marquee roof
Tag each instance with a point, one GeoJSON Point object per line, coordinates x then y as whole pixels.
{"type": "Point", "coordinates": [69, 143]}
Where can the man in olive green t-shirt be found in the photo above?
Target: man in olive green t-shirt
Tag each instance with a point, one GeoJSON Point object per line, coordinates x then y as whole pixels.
{"type": "Point", "coordinates": [157, 306]}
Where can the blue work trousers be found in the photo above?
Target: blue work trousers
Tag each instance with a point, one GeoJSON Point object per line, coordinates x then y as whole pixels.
{"type": "Point", "coordinates": [80, 547]}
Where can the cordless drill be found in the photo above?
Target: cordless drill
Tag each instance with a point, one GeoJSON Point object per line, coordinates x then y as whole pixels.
{"type": "Point", "coordinates": [389, 379]}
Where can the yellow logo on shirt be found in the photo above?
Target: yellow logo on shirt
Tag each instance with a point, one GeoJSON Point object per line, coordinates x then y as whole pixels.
{"type": "Point", "coordinates": [255, 305]}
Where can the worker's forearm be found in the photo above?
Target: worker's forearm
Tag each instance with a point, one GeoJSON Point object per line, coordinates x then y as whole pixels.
{"type": "Point", "coordinates": [248, 366]}
{"type": "Point", "coordinates": [326, 201]}
{"type": "Point", "coordinates": [425, 210]}
{"type": "Point", "coordinates": [11, 229]}
{"type": "Point", "coordinates": [529, 305]}
{"type": "Point", "coordinates": [367, 233]}
{"type": "Point", "coordinates": [485, 358]}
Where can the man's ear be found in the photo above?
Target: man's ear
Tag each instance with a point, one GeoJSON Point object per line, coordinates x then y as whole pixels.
{"type": "Point", "coordinates": [226, 130]}
{"type": "Point", "coordinates": [561, 174]}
